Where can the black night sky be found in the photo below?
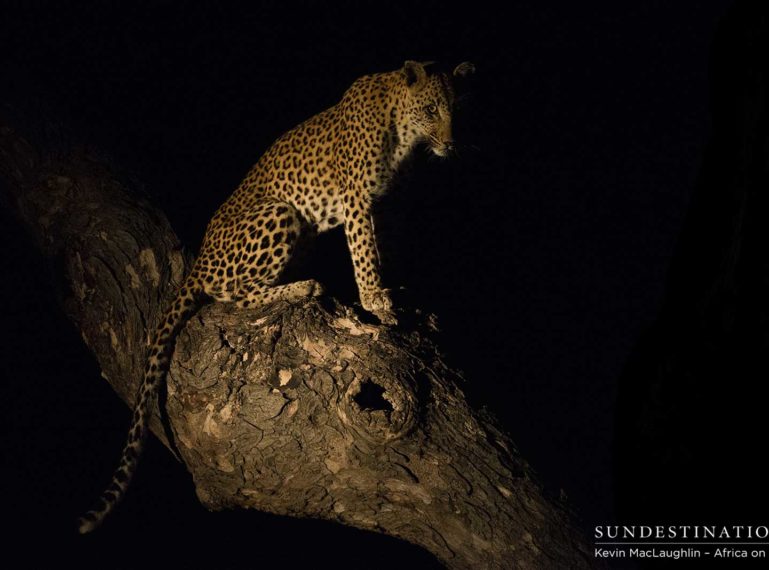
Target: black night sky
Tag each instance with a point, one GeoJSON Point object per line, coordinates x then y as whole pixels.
{"type": "Point", "coordinates": [544, 248]}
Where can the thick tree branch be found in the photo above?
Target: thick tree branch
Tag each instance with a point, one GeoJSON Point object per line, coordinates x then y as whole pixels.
{"type": "Point", "coordinates": [300, 410]}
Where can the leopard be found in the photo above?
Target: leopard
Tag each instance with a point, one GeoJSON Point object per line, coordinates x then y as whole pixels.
{"type": "Point", "coordinates": [323, 173]}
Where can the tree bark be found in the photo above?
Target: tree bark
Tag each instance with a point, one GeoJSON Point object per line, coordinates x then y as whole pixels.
{"type": "Point", "coordinates": [303, 410]}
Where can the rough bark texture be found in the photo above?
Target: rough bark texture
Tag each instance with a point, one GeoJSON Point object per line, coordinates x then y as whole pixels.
{"type": "Point", "coordinates": [302, 410]}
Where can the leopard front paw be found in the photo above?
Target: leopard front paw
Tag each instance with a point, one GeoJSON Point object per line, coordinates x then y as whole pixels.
{"type": "Point", "coordinates": [386, 317]}
{"type": "Point", "coordinates": [378, 302]}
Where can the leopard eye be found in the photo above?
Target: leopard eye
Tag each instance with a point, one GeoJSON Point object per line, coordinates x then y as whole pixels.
{"type": "Point", "coordinates": [431, 109]}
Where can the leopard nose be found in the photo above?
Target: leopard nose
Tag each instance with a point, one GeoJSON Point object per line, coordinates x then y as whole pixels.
{"type": "Point", "coordinates": [449, 145]}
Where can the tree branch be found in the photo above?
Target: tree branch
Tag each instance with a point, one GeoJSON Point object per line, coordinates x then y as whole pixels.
{"type": "Point", "coordinates": [301, 410]}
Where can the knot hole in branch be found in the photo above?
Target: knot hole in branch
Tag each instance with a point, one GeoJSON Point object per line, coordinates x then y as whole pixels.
{"type": "Point", "coordinates": [371, 397]}
{"type": "Point", "coordinates": [379, 410]}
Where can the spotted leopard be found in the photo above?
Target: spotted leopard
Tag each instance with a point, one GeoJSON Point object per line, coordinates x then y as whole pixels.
{"type": "Point", "coordinates": [321, 174]}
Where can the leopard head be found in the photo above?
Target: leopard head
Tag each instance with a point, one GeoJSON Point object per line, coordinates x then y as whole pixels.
{"type": "Point", "coordinates": [430, 103]}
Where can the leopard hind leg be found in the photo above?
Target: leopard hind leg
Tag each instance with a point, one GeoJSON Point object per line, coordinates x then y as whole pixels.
{"type": "Point", "coordinates": [256, 295]}
{"type": "Point", "coordinates": [259, 246]}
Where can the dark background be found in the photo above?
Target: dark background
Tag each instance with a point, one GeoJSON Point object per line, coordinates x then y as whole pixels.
{"type": "Point", "coordinates": [543, 247]}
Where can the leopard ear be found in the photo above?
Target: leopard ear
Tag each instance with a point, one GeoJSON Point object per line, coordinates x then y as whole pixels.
{"type": "Point", "coordinates": [415, 73]}
{"type": "Point", "coordinates": [464, 70]}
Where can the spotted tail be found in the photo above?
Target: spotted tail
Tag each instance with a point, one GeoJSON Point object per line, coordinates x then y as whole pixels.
{"type": "Point", "coordinates": [187, 302]}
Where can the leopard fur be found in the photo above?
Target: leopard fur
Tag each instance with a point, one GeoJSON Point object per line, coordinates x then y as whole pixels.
{"type": "Point", "coordinates": [321, 174]}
